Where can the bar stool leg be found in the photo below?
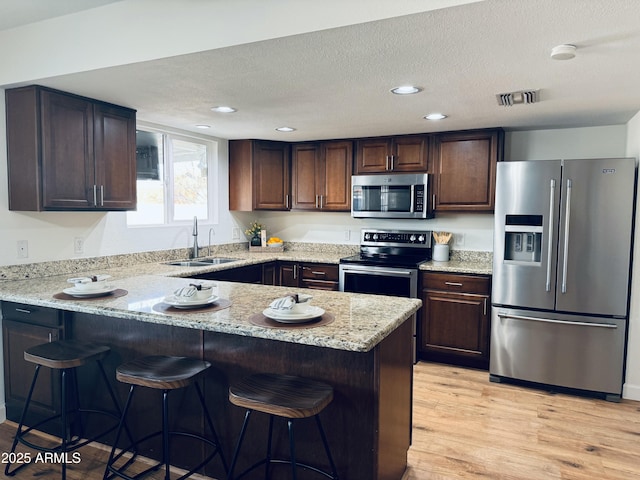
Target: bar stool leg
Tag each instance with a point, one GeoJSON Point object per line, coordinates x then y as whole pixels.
{"type": "Point", "coordinates": [292, 448]}
{"type": "Point", "coordinates": [212, 429]}
{"type": "Point", "coordinates": [112, 456]}
{"type": "Point", "coordinates": [166, 456]}
{"type": "Point", "coordinates": [239, 444]}
{"type": "Point", "coordinates": [267, 467]}
{"type": "Point", "coordinates": [65, 430]}
{"type": "Point", "coordinates": [334, 472]}
{"type": "Point", "coordinates": [21, 424]}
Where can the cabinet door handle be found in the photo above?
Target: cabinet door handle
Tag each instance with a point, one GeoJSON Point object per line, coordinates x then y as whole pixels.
{"type": "Point", "coordinates": [50, 337]}
{"type": "Point", "coordinates": [23, 310]}
{"type": "Point", "coordinates": [95, 195]}
{"type": "Point", "coordinates": [286, 201]}
{"type": "Point", "coordinates": [102, 195]}
{"type": "Point", "coordinates": [453, 284]}
{"type": "Point", "coordinates": [386, 167]}
{"type": "Point", "coordinates": [392, 161]}
{"type": "Point", "coordinates": [317, 201]}
{"type": "Point", "coordinates": [433, 201]}
{"type": "Point", "coordinates": [321, 201]}
{"type": "Point", "coordinates": [295, 272]}
{"type": "Point", "coordinates": [484, 310]}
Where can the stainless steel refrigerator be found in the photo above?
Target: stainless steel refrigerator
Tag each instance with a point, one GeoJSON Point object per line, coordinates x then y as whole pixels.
{"type": "Point", "coordinates": [561, 272]}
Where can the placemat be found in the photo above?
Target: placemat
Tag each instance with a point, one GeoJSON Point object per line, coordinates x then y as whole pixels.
{"type": "Point", "coordinates": [219, 304]}
{"type": "Point", "coordinates": [118, 292]}
{"type": "Point", "coordinates": [262, 321]}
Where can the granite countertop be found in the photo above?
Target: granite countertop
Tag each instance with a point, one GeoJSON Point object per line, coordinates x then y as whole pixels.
{"type": "Point", "coordinates": [361, 321]}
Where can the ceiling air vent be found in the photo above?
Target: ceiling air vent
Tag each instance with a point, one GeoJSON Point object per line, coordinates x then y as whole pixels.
{"type": "Point", "coordinates": [514, 98]}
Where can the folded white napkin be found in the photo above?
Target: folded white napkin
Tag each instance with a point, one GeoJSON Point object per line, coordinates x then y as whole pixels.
{"type": "Point", "coordinates": [284, 303]}
{"type": "Point", "coordinates": [186, 292]}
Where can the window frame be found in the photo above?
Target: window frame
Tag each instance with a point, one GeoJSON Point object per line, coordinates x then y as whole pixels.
{"type": "Point", "coordinates": [211, 144]}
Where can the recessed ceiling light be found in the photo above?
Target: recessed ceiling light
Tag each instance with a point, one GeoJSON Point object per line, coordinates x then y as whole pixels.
{"type": "Point", "coordinates": [405, 90]}
{"type": "Point", "coordinates": [203, 127]}
{"type": "Point", "coordinates": [224, 109]}
{"type": "Point", "coordinates": [286, 129]}
{"type": "Point", "coordinates": [435, 116]}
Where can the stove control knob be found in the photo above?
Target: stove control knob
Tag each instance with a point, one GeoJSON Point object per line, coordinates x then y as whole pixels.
{"type": "Point", "coordinates": [421, 239]}
{"type": "Point", "coordinates": [375, 236]}
{"type": "Point", "coordinates": [367, 236]}
{"type": "Point", "coordinates": [412, 238]}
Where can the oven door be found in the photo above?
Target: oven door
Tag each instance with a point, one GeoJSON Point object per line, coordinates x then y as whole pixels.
{"type": "Point", "coordinates": [379, 280]}
{"type": "Point", "coordinates": [399, 282]}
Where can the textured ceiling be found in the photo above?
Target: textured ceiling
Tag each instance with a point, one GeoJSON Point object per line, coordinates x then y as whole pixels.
{"type": "Point", "coordinates": [335, 83]}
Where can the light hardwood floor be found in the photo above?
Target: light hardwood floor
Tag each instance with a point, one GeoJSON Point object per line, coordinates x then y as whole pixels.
{"type": "Point", "coordinates": [468, 428]}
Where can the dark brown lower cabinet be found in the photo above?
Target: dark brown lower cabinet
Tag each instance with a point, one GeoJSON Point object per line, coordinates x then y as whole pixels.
{"type": "Point", "coordinates": [455, 322]}
{"type": "Point", "coordinates": [320, 276]}
{"type": "Point", "coordinates": [25, 326]}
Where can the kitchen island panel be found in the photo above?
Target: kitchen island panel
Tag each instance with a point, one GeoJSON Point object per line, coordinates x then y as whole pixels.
{"type": "Point", "coordinates": [367, 424]}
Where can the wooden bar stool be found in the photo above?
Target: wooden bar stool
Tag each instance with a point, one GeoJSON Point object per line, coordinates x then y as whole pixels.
{"type": "Point", "coordinates": [162, 373]}
{"type": "Point", "coordinates": [283, 396]}
{"type": "Point", "coordinates": [66, 356]}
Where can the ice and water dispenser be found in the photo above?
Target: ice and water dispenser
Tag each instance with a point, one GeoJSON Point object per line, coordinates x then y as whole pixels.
{"type": "Point", "coordinates": [523, 239]}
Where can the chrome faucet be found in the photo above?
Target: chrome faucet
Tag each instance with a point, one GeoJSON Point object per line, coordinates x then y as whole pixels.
{"type": "Point", "coordinates": [194, 249]}
{"type": "Point", "coordinates": [209, 244]}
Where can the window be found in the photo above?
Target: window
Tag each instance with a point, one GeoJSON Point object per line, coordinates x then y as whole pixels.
{"type": "Point", "coordinates": [174, 178]}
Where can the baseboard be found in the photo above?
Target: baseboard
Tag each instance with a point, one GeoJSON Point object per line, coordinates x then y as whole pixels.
{"type": "Point", "coordinates": [631, 392]}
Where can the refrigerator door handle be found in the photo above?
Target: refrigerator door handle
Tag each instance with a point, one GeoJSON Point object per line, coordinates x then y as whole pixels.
{"type": "Point", "coordinates": [562, 322]}
{"type": "Point", "coordinates": [565, 259]}
{"type": "Point", "coordinates": [552, 199]}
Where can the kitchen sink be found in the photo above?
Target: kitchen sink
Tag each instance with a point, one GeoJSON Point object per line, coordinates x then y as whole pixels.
{"type": "Point", "coordinates": [202, 262]}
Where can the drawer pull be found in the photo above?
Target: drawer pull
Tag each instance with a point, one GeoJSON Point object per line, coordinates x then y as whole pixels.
{"type": "Point", "coordinates": [318, 273]}
{"type": "Point", "coordinates": [453, 284]}
{"type": "Point", "coordinates": [23, 310]}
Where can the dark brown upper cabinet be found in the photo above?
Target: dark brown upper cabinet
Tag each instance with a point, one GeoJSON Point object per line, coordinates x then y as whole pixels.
{"type": "Point", "coordinates": [67, 152]}
{"type": "Point", "coordinates": [259, 175]}
{"type": "Point", "coordinates": [321, 175]}
{"type": "Point", "coordinates": [406, 153]}
{"type": "Point", "coordinates": [465, 164]}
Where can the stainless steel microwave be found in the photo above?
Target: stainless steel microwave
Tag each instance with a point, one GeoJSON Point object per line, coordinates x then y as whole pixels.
{"type": "Point", "coordinates": [390, 196]}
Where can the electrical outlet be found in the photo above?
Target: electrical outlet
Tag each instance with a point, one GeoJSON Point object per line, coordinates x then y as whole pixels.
{"type": "Point", "coordinates": [23, 249]}
{"type": "Point", "coordinates": [235, 233]}
{"type": "Point", "coordinates": [459, 239]}
{"type": "Point", "coordinates": [78, 245]}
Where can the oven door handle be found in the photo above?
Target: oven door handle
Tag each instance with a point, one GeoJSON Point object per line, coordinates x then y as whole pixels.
{"type": "Point", "coordinates": [378, 271]}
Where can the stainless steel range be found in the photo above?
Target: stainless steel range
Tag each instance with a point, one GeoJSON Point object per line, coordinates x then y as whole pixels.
{"type": "Point", "coordinates": [388, 263]}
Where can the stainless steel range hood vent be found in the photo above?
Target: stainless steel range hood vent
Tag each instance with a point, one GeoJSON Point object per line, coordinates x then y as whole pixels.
{"type": "Point", "coordinates": [514, 98]}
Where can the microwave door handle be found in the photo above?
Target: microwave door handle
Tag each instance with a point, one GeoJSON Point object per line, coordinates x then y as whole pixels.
{"type": "Point", "coordinates": [565, 260]}
{"type": "Point", "coordinates": [413, 199]}
{"type": "Point", "coordinates": [552, 199]}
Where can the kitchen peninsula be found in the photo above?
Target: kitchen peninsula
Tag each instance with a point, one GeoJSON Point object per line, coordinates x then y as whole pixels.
{"type": "Point", "coordinates": [363, 352]}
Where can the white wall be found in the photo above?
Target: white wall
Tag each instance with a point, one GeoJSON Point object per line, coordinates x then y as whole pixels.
{"type": "Point", "coordinates": [631, 388]}
{"type": "Point", "coordinates": [590, 142]}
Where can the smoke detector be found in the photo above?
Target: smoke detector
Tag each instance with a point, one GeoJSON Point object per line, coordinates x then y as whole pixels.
{"type": "Point", "coordinates": [515, 98]}
{"type": "Point", "coordinates": [563, 52]}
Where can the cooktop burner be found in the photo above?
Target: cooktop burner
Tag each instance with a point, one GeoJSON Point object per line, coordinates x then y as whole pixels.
{"type": "Point", "coordinates": [392, 248]}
